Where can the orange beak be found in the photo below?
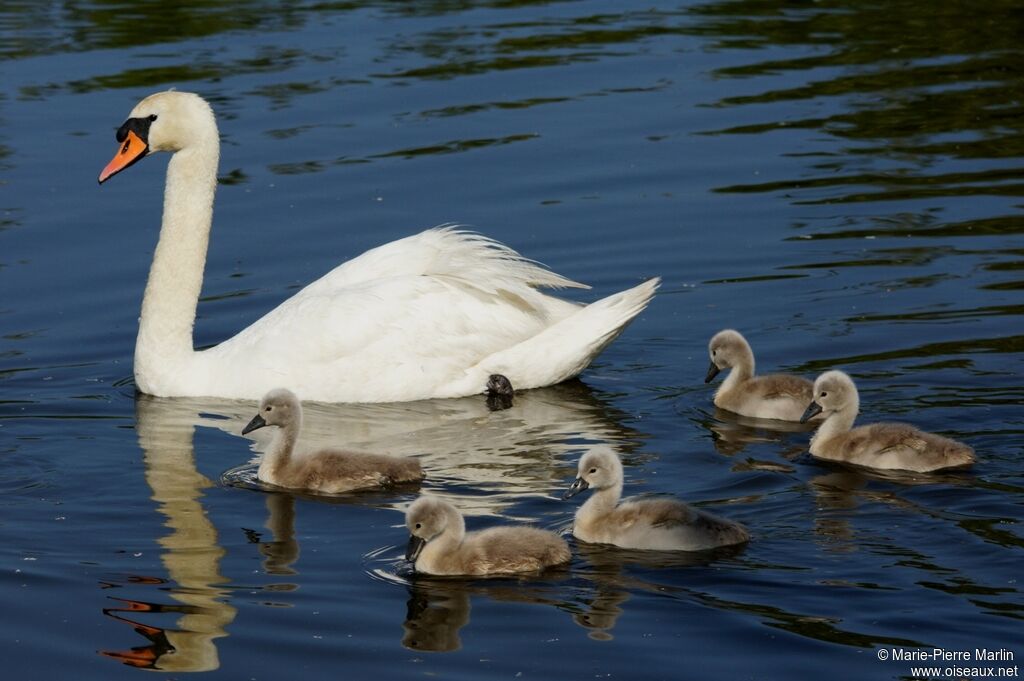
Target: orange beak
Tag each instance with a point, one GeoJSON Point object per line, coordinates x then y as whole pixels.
{"type": "Point", "coordinates": [131, 151]}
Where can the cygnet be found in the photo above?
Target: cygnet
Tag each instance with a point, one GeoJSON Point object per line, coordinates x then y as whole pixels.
{"type": "Point", "coordinates": [775, 396]}
{"type": "Point", "coordinates": [892, 446]}
{"type": "Point", "coordinates": [658, 524]}
{"type": "Point", "coordinates": [323, 470]}
{"type": "Point", "coordinates": [440, 545]}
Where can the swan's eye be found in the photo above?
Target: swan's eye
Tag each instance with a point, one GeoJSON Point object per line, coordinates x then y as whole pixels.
{"type": "Point", "coordinates": [268, 409]}
{"type": "Point", "coordinates": [152, 117]}
{"type": "Point", "coordinates": [593, 470]}
{"type": "Point", "coordinates": [824, 394]}
{"type": "Point", "coordinates": [419, 526]}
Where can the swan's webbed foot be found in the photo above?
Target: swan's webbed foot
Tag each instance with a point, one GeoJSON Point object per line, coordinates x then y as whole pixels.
{"type": "Point", "coordinates": [499, 392]}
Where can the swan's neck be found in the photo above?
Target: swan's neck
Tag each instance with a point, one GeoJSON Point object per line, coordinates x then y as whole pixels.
{"type": "Point", "coordinates": [279, 454]}
{"type": "Point", "coordinates": [837, 423]}
{"type": "Point", "coordinates": [742, 370]}
{"type": "Point", "coordinates": [164, 342]}
{"type": "Point", "coordinates": [455, 528]}
{"type": "Point", "coordinates": [441, 552]}
{"type": "Point", "coordinates": [602, 502]}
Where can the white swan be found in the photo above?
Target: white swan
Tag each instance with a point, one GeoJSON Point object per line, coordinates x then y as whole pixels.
{"type": "Point", "coordinates": [431, 315]}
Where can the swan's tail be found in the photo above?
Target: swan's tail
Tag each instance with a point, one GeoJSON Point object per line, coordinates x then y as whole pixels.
{"type": "Point", "coordinates": [565, 349]}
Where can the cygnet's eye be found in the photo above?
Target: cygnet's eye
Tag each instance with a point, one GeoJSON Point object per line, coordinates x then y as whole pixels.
{"type": "Point", "coordinates": [824, 394]}
{"type": "Point", "coordinates": [268, 409]}
{"type": "Point", "coordinates": [419, 526]}
{"type": "Point", "coordinates": [593, 470]}
{"type": "Point", "coordinates": [714, 352]}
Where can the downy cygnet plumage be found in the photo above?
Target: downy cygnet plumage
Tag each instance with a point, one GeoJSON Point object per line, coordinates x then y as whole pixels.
{"type": "Point", "coordinates": [774, 396]}
{"type": "Point", "coordinates": [322, 470]}
{"type": "Point", "coordinates": [658, 524]}
{"type": "Point", "coordinates": [893, 446]}
{"type": "Point", "coordinates": [440, 545]}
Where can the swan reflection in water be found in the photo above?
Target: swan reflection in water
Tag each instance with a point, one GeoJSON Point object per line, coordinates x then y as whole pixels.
{"type": "Point", "coordinates": [465, 447]}
{"type": "Point", "coordinates": [841, 490]}
{"type": "Point", "coordinates": [732, 434]}
{"type": "Point", "coordinates": [281, 550]}
{"type": "Point", "coordinates": [617, 574]}
{"type": "Point", "coordinates": [439, 608]}
{"type": "Point", "coordinates": [190, 551]}
{"type": "Point", "coordinates": [481, 460]}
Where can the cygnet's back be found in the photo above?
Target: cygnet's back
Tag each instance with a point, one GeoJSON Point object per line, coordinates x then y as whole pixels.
{"type": "Point", "coordinates": [333, 471]}
{"type": "Point", "coordinates": [656, 524]}
{"type": "Point", "coordinates": [774, 396]}
{"type": "Point", "coordinates": [439, 544]}
{"type": "Point", "coordinates": [890, 446]}
{"type": "Point", "coordinates": [322, 470]}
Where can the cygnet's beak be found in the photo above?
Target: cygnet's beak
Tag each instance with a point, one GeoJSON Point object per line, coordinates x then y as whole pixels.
{"type": "Point", "coordinates": [257, 422]}
{"type": "Point", "coordinates": [414, 547]}
{"type": "Point", "coordinates": [577, 486]}
{"type": "Point", "coordinates": [712, 372]}
{"type": "Point", "coordinates": [813, 409]}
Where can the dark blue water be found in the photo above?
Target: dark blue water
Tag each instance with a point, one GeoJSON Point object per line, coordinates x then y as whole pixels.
{"type": "Point", "coordinates": [841, 181]}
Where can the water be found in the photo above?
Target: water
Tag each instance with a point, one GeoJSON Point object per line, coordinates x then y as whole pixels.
{"type": "Point", "coordinates": [842, 181]}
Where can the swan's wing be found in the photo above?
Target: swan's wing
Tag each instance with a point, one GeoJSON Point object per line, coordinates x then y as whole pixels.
{"type": "Point", "coordinates": [665, 513]}
{"type": "Point", "coordinates": [383, 336]}
{"type": "Point", "coordinates": [445, 252]}
{"type": "Point", "coordinates": [428, 316]}
{"type": "Point", "coordinates": [784, 386]}
{"type": "Point", "coordinates": [892, 438]}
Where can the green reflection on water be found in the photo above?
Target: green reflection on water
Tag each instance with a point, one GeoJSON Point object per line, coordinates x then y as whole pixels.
{"type": "Point", "coordinates": [920, 83]}
{"type": "Point", "coordinates": [37, 28]}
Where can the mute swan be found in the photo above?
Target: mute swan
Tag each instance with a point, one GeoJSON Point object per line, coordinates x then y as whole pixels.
{"type": "Point", "coordinates": [431, 315]}
{"type": "Point", "coordinates": [893, 446]}
{"type": "Point", "coordinates": [658, 524]}
{"type": "Point", "coordinates": [439, 544]}
{"type": "Point", "coordinates": [776, 396]}
{"type": "Point", "coordinates": [323, 470]}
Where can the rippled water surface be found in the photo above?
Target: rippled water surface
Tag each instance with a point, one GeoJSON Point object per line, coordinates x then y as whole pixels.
{"type": "Point", "coordinates": [840, 180]}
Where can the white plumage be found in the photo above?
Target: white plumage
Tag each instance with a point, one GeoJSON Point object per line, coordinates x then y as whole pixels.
{"type": "Point", "coordinates": [431, 315]}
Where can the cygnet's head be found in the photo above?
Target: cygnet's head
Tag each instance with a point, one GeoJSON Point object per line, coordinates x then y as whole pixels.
{"type": "Point", "coordinates": [598, 469]}
{"type": "Point", "coordinates": [834, 392]}
{"type": "Point", "coordinates": [425, 519]}
{"type": "Point", "coordinates": [279, 407]}
{"type": "Point", "coordinates": [726, 349]}
{"type": "Point", "coordinates": [165, 121]}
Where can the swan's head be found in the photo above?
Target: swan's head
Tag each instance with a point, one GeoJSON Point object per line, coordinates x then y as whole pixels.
{"type": "Point", "coordinates": [165, 121]}
{"type": "Point", "coordinates": [834, 392]}
{"type": "Point", "coordinates": [598, 469]}
{"type": "Point", "coordinates": [426, 519]}
{"type": "Point", "coordinates": [727, 348]}
{"type": "Point", "coordinates": [279, 407]}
